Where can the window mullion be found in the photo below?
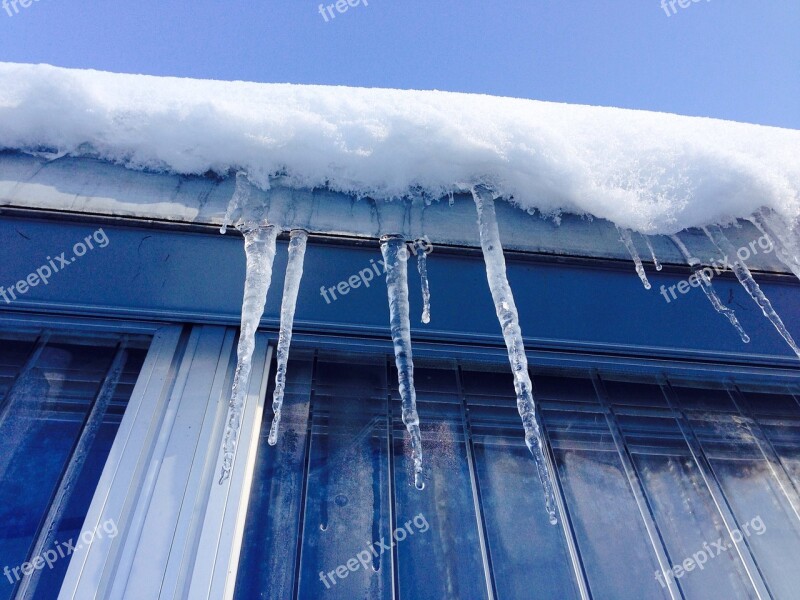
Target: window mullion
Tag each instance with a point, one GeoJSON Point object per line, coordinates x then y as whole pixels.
{"type": "Point", "coordinates": [714, 488]}
{"type": "Point", "coordinates": [73, 469]}
{"type": "Point", "coordinates": [636, 486]}
{"type": "Point", "coordinates": [476, 490]}
{"type": "Point", "coordinates": [767, 450]}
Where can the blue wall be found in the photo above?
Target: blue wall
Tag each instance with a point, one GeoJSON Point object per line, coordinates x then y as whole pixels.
{"type": "Point", "coordinates": [153, 272]}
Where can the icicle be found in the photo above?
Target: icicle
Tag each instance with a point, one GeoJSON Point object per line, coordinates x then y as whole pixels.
{"type": "Point", "coordinates": [652, 252]}
{"type": "Point", "coordinates": [240, 198]}
{"type": "Point", "coordinates": [422, 267]}
{"type": "Point", "coordinates": [625, 238]}
{"type": "Point", "coordinates": [708, 288]}
{"type": "Point", "coordinates": [787, 249]}
{"type": "Point", "coordinates": [715, 234]}
{"type": "Point", "coordinates": [509, 322]}
{"type": "Point", "coordinates": [291, 287]}
{"type": "Point", "coordinates": [395, 256]}
{"type": "Point", "coordinates": [259, 245]}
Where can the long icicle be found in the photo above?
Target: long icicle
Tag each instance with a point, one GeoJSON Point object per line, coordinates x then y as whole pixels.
{"type": "Point", "coordinates": [745, 277]}
{"type": "Point", "coordinates": [395, 257]}
{"type": "Point", "coordinates": [656, 262]}
{"type": "Point", "coordinates": [291, 287]}
{"type": "Point", "coordinates": [625, 238]}
{"type": "Point", "coordinates": [786, 248]}
{"type": "Point", "coordinates": [422, 266]}
{"type": "Point", "coordinates": [512, 334]}
{"type": "Point", "coordinates": [259, 246]}
{"type": "Point", "coordinates": [708, 288]}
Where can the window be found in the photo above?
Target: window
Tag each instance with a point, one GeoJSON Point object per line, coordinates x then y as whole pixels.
{"type": "Point", "coordinates": [652, 473]}
{"type": "Point", "coordinates": [61, 401]}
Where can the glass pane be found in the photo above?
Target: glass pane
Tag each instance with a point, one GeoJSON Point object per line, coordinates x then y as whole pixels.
{"type": "Point", "coordinates": [682, 504]}
{"type": "Point", "coordinates": [619, 560]}
{"type": "Point", "coordinates": [44, 420]}
{"type": "Point", "coordinates": [767, 523]}
{"type": "Point", "coordinates": [272, 532]}
{"type": "Point", "coordinates": [347, 502]}
{"type": "Point", "coordinates": [779, 418]}
{"type": "Point", "coordinates": [442, 517]}
{"type": "Point", "coordinates": [529, 557]}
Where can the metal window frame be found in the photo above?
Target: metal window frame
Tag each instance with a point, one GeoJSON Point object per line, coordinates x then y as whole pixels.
{"type": "Point", "coordinates": [208, 534]}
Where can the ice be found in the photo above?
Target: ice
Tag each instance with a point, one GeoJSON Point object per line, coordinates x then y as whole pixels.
{"type": "Point", "coordinates": [654, 173]}
{"type": "Point", "coordinates": [708, 288]}
{"type": "Point", "coordinates": [786, 241]}
{"type": "Point", "coordinates": [716, 235]}
{"type": "Point", "coordinates": [241, 196]}
{"type": "Point", "coordinates": [395, 256]}
{"type": "Point", "coordinates": [422, 266]}
{"type": "Point", "coordinates": [652, 252]}
{"type": "Point", "coordinates": [509, 323]}
{"type": "Point", "coordinates": [291, 287]}
{"type": "Point", "coordinates": [259, 245]}
{"type": "Point", "coordinates": [625, 238]}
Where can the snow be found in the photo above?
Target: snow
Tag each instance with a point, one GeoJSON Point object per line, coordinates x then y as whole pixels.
{"type": "Point", "coordinates": [647, 172]}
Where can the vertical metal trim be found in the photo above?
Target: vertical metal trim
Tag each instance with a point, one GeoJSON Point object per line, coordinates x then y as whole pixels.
{"type": "Point", "coordinates": [639, 492]}
{"type": "Point", "coordinates": [301, 528]}
{"type": "Point", "coordinates": [714, 488]}
{"type": "Point", "coordinates": [395, 556]}
{"type": "Point", "coordinates": [22, 375]}
{"type": "Point", "coordinates": [767, 449]}
{"type": "Point", "coordinates": [74, 467]}
{"type": "Point", "coordinates": [477, 501]}
{"type": "Point", "coordinates": [579, 569]}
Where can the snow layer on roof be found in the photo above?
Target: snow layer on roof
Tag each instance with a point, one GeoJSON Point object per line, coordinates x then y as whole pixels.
{"type": "Point", "coordinates": [652, 172]}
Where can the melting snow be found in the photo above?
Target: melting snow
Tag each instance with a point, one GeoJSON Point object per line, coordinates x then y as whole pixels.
{"type": "Point", "coordinates": [644, 171]}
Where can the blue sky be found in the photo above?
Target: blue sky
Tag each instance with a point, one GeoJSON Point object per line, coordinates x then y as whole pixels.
{"type": "Point", "coordinates": [733, 59]}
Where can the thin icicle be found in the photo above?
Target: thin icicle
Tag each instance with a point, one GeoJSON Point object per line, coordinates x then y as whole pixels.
{"type": "Point", "coordinates": [395, 256]}
{"type": "Point", "coordinates": [708, 288]}
{"type": "Point", "coordinates": [422, 266]}
{"type": "Point", "coordinates": [259, 246]}
{"type": "Point", "coordinates": [625, 238]}
{"type": "Point", "coordinates": [512, 334]}
{"type": "Point", "coordinates": [745, 277]}
{"type": "Point", "coordinates": [652, 252]}
{"type": "Point", "coordinates": [787, 248]}
{"type": "Point", "coordinates": [291, 287]}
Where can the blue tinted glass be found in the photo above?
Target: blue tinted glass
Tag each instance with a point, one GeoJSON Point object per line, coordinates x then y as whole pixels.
{"type": "Point", "coordinates": [333, 512]}
{"type": "Point", "coordinates": [529, 556]}
{"type": "Point", "coordinates": [50, 390]}
{"type": "Point", "coordinates": [441, 521]}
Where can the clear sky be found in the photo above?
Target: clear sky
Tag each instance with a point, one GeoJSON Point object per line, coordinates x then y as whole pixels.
{"type": "Point", "coordinates": [733, 59]}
